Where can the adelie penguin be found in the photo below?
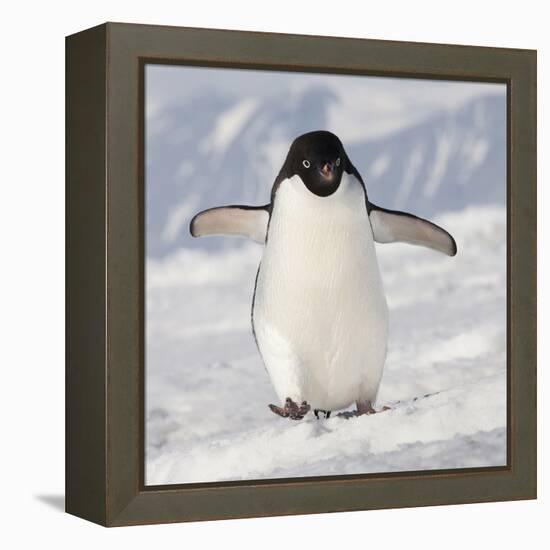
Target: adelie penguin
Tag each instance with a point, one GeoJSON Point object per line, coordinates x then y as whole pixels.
{"type": "Point", "coordinates": [319, 312]}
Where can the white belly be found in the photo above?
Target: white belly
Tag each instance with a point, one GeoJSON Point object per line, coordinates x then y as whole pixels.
{"type": "Point", "coordinates": [320, 314]}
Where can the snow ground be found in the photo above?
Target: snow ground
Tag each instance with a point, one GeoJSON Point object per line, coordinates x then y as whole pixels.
{"type": "Point", "coordinates": [207, 391]}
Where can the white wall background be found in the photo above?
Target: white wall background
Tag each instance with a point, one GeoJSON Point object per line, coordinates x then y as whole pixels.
{"type": "Point", "coordinates": [32, 285]}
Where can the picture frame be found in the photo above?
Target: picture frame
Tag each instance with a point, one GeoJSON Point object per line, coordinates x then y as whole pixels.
{"type": "Point", "coordinates": [105, 274]}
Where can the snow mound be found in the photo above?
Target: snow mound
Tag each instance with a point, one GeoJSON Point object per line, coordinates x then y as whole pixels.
{"type": "Point", "coordinates": [207, 391]}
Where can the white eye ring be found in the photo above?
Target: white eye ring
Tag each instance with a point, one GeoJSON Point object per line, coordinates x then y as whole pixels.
{"type": "Point", "coordinates": [306, 163]}
{"type": "Point", "coordinates": [338, 161]}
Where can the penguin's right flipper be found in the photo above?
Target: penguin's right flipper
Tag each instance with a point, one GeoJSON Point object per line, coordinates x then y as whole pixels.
{"type": "Point", "coordinates": [391, 226]}
{"type": "Point", "coordinates": [245, 221]}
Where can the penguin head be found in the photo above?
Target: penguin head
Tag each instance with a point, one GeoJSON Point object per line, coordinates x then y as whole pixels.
{"type": "Point", "coordinates": [319, 159]}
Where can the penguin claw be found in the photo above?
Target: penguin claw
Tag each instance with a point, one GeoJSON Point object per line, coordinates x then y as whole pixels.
{"type": "Point", "coordinates": [291, 409]}
{"type": "Point", "coordinates": [365, 407]}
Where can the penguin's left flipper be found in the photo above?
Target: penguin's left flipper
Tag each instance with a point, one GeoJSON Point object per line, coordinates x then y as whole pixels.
{"type": "Point", "coordinates": [245, 221]}
{"type": "Point", "coordinates": [391, 226]}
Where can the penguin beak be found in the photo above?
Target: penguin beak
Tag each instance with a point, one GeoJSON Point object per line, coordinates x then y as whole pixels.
{"type": "Point", "coordinates": [327, 170]}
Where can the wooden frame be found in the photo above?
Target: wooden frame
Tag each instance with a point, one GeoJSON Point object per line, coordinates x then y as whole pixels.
{"type": "Point", "coordinates": [104, 366]}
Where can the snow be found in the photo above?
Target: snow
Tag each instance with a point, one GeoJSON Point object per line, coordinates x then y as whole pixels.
{"type": "Point", "coordinates": [380, 166]}
{"type": "Point", "coordinates": [179, 217]}
{"type": "Point", "coordinates": [410, 173]}
{"type": "Point", "coordinates": [473, 152]}
{"type": "Point", "coordinates": [445, 376]}
{"type": "Point", "coordinates": [443, 151]}
{"type": "Point", "coordinates": [229, 125]}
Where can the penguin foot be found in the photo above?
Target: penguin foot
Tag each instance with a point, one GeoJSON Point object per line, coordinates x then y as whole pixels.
{"type": "Point", "coordinates": [365, 407]}
{"type": "Point", "coordinates": [317, 411]}
{"type": "Point", "coordinates": [291, 409]}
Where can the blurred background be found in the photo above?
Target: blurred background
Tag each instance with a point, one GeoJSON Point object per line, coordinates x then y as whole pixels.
{"type": "Point", "coordinates": [220, 136]}
{"type": "Point", "coordinates": [433, 148]}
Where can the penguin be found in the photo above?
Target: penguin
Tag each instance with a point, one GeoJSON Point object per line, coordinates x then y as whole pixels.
{"type": "Point", "coordinates": [319, 312]}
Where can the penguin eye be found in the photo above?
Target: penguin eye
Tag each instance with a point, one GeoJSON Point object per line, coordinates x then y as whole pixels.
{"type": "Point", "coordinates": [306, 163]}
{"type": "Point", "coordinates": [338, 161]}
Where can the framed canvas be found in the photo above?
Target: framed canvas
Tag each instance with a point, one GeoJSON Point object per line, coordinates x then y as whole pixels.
{"type": "Point", "coordinates": [321, 363]}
